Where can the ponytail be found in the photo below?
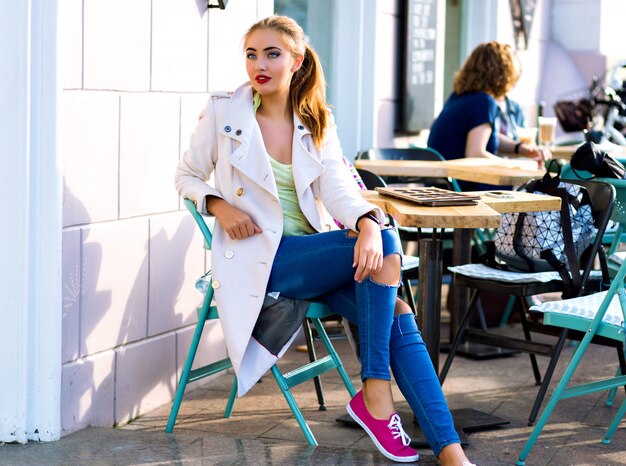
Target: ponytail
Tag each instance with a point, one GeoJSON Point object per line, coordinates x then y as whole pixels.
{"type": "Point", "coordinates": [308, 95]}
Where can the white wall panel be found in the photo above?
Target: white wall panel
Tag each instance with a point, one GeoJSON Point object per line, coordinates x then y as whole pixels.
{"type": "Point", "coordinates": [87, 392]}
{"type": "Point", "coordinates": [71, 16]}
{"type": "Point", "coordinates": [179, 46]}
{"type": "Point", "coordinates": [90, 172]}
{"type": "Point", "coordinates": [145, 376]}
{"type": "Point", "coordinates": [149, 144]}
{"type": "Point", "coordinates": [176, 262]}
{"type": "Point", "coordinates": [115, 284]}
{"type": "Point", "coordinates": [71, 294]}
{"type": "Point", "coordinates": [117, 44]}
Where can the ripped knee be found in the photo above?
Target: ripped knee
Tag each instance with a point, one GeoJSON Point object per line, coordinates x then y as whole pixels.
{"type": "Point", "coordinates": [390, 273]}
{"type": "Point", "coordinates": [401, 307]}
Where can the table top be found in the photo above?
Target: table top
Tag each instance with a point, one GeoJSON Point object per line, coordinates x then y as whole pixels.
{"type": "Point", "coordinates": [486, 214]}
{"type": "Point", "coordinates": [505, 172]}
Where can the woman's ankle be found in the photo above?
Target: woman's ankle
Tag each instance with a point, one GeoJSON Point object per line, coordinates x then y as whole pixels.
{"type": "Point", "coordinates": [378, 399]}
{"type": "Point", "coordinates": [452, 455]}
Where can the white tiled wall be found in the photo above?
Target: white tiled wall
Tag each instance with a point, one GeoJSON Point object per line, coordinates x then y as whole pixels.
{"type": "Point", "coordinates": [136, 76]}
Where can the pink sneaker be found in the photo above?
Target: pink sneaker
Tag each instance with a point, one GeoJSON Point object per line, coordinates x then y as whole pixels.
{"type": "Point", "coordinates": [388, 436]}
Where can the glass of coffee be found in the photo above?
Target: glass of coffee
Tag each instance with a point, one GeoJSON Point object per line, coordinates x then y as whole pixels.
{"type": "Point", "coordinates": [547, 130]}
{"type": "Point", "coordinates": [527, 135]}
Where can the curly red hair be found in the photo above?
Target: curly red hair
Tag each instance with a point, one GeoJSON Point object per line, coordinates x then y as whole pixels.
{"type": "Point", "coordinates": [492, 67]}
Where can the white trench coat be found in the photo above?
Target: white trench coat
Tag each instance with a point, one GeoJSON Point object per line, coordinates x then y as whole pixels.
{"type": "Point", "coordinates": [227, 144]}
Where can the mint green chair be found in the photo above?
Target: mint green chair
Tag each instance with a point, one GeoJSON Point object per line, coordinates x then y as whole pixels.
{"type": "Point", "coordinates": [208, 311]}
{"type": "Point", "coordinates": [600, 315]}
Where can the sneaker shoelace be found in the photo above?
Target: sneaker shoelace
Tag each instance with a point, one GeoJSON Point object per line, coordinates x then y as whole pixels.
{"type": "Point", "coordinates": [395, 425]}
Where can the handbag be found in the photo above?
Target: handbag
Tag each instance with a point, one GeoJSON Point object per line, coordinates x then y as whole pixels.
{"type": "Point", "coordinates": [547, 240]}
{"type": "Point", "coordinates": [590, 158]}
{"type": "Point", "coordinates": [573, 115]}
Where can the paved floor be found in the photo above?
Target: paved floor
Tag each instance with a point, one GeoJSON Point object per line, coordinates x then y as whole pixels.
{"type": "Point", "coordinates": [263, 432]}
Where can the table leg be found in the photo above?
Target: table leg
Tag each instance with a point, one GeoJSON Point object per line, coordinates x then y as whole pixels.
{"type": "Point", "coordinates": [461, 254]}
{"type": "Point", "coordinates": [429, 293]}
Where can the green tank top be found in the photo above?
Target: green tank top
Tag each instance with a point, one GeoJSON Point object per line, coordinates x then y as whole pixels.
{"type": "Point", "coordinates": [295, 223]}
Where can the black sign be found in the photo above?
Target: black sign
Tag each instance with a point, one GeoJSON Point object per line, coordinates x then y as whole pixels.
{"type": "Point", "coordinates": [418, 70]}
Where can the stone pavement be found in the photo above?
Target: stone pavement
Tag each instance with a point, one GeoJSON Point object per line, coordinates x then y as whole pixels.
{"type": "Point", "coordinates": [262, 431]}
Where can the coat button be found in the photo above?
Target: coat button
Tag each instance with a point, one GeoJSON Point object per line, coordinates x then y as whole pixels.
{"type": "Point", "coordinates": [229, 254]}
{"type": "Point", "coordinates": [215, 284]}
{"type": "Point", "coordinates": [300, 127]}
{"type": "Point", "coordinates": [240, 192]}
{"type": "Point", "coordinates": [227, 129]}
{"type": "Point", "coordinates": [238, 132]}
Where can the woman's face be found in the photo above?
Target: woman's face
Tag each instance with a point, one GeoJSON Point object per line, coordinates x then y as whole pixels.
{"type": "Point", "coordinates": [269, 62]}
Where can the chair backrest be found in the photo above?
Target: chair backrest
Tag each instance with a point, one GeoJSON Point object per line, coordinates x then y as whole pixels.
{"type": "Point", "coordinates": [401, 153]}
{"type": "Point", "coordinates": [370, 179]}
{"type": "Point", "coordinates": [206, 232]}
{"type": "Point", "coordinates": [602, 198]}
{"type": "Point", "coordinates": [408, 153]}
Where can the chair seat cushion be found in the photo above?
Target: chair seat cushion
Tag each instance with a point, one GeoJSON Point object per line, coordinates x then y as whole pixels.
{"type": "Point", "coordinates": [618, 257]}
{"type": "Point", "coordinates": [410, 262]}
{"type": "Point", "coordinates": [482, 271]}
{"type": "Point", "coordinates": [577, 313]}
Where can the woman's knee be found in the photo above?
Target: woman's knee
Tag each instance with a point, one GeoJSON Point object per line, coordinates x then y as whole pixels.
{"type": "Point", "coordinates": [401, 308]}
{"type": "Point", "coordinates": [390, 273]}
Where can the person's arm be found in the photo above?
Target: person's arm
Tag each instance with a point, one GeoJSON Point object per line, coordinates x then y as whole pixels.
{"type": "Point", "coordinates": [476, 142]}
{"type": "Point", "coordinates": [236, 223]}
{"type": "Point", "coordinates": [515, 148]}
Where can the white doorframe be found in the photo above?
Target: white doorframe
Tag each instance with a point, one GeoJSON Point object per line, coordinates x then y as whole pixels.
{"type": "Point", "coordinates": [30, 206]}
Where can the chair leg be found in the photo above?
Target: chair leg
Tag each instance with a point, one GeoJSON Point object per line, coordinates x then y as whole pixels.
{"type": "Point", "coordinates": [547, 377]}
{"type": "Point", "coordinates": [507, 312]}
{"type": "Point", "coordinates": [533, 358]}
{"type": "Point", "coordinates": [616, 420]}
{"type": "Point", "coordinates": [295, 409]}
{"type": "Point", "coordinates": [231, 399]}
{"type": "Point", "coordinates": [333, 354]}
{"type": "Point", "coordinates": [554, 399]}
{"type": "Point", "coordinates": [458, 338]}
{"type": "Point", "coordinates": [621, 370]}
{"type": "Point", "coordinates": [308, 336]}
{"type": "Point", "coordinates": [193, 348]}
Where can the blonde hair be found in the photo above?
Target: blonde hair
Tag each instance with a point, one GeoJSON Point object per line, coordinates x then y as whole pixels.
{"type": "Point", "coordinates": [492, 67]}
{"type": "Point", "coordinates": [308, 86]}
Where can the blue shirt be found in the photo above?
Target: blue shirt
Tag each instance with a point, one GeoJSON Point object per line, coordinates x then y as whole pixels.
{"type": "Point", "coordinates": [459, 115]}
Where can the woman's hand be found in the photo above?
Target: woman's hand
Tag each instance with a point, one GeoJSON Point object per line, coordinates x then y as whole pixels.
{"type": "Point", "coordinates": [368, 250]}
{"type": "Point", "coordinates": [538, 153]}
{"type": "Point", "coordinates": [236, 223]}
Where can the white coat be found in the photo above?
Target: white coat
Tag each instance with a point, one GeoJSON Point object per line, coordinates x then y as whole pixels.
{"type": "Point", "coordinates": [228, 144]}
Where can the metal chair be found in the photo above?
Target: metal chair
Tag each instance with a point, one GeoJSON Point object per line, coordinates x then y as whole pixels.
{"type": "Point", "coordinates": [523, 286]}
{"type": "Point", "coordinates": [598, 315]}
{"type": "Point", "coordinates": [208, 311]}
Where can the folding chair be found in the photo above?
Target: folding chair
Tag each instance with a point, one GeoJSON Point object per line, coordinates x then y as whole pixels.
{"type": "Point", "coordinates": [599, 315]}
{"type": "Point", "coordinates": [312, 370]}
{"type": "Point", "coordinates": [479, 278]}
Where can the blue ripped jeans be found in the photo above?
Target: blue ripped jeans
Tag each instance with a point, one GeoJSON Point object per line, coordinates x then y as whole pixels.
{"type": "Point", "coordinates": [319, 266]}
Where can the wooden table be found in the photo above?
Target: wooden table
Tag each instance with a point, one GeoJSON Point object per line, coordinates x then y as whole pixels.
{"type": "Point", "coordinates": [504, 172]}
{"type": "Point", "coordinates": [486, 214]}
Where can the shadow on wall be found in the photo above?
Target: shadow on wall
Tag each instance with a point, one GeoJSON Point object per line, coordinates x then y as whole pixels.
{"type": "Point", "coordinates": [130, 366]}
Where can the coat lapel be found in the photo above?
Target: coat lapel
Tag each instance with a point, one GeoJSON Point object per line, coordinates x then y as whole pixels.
{"type": "Point", "coordinates": [239, 125]}
{"type": "Point", "coordinates": [306, 166]}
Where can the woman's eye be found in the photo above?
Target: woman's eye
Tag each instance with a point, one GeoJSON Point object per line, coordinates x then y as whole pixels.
{"type": "Point", "coordinates": [273, 54]}
{"type": "Point", "coordinates": [250, 56]}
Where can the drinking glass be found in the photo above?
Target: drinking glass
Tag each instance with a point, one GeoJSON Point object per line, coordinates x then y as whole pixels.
{"type": "Point", "coordinates": [547, 130]}
{"type": "Point", "coordinates": [527, 135]}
